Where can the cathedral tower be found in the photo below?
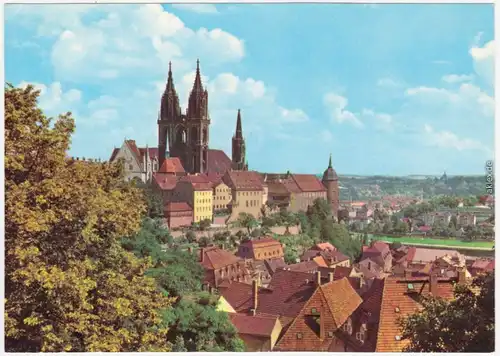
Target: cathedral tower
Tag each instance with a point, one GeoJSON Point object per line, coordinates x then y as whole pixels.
{"type": "Point", "coordinates": [187, 134]}
{"type": "Point", "coordinates": [331, 182]}
{"type": "Point", "coordinates": [238, 155]}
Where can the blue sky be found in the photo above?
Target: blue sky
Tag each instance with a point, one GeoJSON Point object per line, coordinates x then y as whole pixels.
{"type": "Point", "coordinates": [387, 89]}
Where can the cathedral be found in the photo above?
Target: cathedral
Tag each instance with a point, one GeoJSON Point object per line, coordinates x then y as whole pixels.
{"type": "Point", "coordinates": [186, 134]}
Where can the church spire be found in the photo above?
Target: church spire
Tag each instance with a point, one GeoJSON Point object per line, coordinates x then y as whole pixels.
{"type": "Point", "coordinates": [330, 162]}
{"type": "Point", "coordinates": [239, 131]}
{"type": "Point", "coordinates": [197, 86]}
{"type": "Point", "coordinates": [170, 81]}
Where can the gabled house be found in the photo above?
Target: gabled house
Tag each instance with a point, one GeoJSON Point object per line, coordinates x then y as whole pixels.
{"type": "Point", "coordinates": [261, 249]}
{"type": "Point", "coordinates": [320, 318]}
{"type": "Point", "coordinates": [380, 253]}
{"type": "Point", "coordinates": [139, 162]}
{"type": "Point", "coordinates": [221, 265]}
{"type": "Point", "coordinates": [258, 333]}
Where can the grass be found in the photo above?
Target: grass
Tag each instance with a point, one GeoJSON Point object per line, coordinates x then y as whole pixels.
{"type": "Point", "coordinates": [440, 242]}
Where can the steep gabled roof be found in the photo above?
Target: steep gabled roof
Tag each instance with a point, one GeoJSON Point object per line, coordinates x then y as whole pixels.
{"type": "Point", "coordinates": [397, 302]}
{"type": "Point", "coordinates": [257, 325]}
{"type": "Point", "coordinates": [218, 162]}
{"type": "Point", "coordinates": [308, 183]}
{"type": "Point", "coordinates": [215, 258]}
{"type": "Point", "coordinates": [243, 180]}
{"type": "Point", "coordinates": [198, 181]}
{"type": "Point", "coordinates": [172, 166]}
{"type": "Point", "coordinates": [177, 206]}
{"type": "Point", "coordinates": [165, 181]}
{"type": "Point", "coordinates": [341, 298]}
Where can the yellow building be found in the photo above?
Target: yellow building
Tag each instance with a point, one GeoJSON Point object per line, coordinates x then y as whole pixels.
{"type": "Point", "coordinates": [202, 207]}
{"type": "Point", "coordinates": [196, 190]}
{"type": "Point", "coordinates": [222, 196]}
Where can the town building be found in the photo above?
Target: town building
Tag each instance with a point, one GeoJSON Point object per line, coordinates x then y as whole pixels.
{"type": "Point", "coordinates": [139, 162]}
{"type": "Point", "coordinates": [221, 265]}
{"type": "Point", "coordinates": [261, 249]}
{"type": "Point", "coordinates": [178, 214]}
{"type": "Point", "coordinates": [380, 253]}
{"type": "Point", "coordinates": [165, 179]}
{"type": "Point", "coordinates": [331, 183]}
{"type": "Point", "coordinates": [196, 190]}
{"type": "Point", "coordinates": [466, 219]}
{"type": "Point", "coordinates": [246, 193]}
{"type": "Point", "coordinates": [258, 333]}
{"type": "Point", "coordinates": [321, 317]}
{"type": "Point", "coordinates": [186, 134]}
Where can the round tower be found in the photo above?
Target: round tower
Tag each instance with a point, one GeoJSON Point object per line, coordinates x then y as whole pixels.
{"type": "Point", "coordinates": [331, 182]}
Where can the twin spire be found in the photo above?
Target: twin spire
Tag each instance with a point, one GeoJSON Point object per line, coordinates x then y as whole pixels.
{"type": "Point", "coordinates": [197, 86]}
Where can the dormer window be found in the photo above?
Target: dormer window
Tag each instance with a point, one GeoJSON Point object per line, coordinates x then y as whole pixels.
{"type": "Point", "coordinates": [299, 336]}
{"type": "Point", "coordinates": [314, 311]}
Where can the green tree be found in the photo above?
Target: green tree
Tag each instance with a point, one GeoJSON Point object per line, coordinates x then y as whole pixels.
{"type": "Point", "coordinates": [191, 236]}
{"type": "Point", "coordinates": [247, 221]}
{"type": "Point", "coordinates": [201, 326]}
{"type": "Point", "coordinates": [154, 202]}
{"type": "Point", "coordinates": [205, 224]}
{"type": "Point", "coordinates": [203, 241]}
{"type": "Point", "coordinates": [67, 278]}
{"type": "Point", "coordinates": [465, 324]}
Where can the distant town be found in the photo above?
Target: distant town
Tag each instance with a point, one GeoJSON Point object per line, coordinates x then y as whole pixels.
{"type": "Point", "coordinates": [301, 262]}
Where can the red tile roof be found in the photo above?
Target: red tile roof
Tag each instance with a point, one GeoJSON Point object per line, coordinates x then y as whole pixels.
{"type": "Point", "coordinates": [218, 161]}
{"type": "Point", "coordinates": [308, 183]}
{"type": "Point", "coordinates": [340, 272]}
{"type": "Point", "coordinates": [320, 261]}
{"type": "Point", "coordinates": [304, 267]}
{"type": "Point", "coordinates": [177, 206]}
{"type": "Point", "coordinates": [198, 181]}
{"type": "Point", "coordinates": [277, 188]}
{"type": "Point", "coordinates": [243, 180]}
{"type": "Point", "coordinates": [324, 246]}
{"type": "Point", "coordinates": [265, 241]}
{"type": "Point", "coordinates": [215, 178]}
{"type": "Point", "coordinates": [425, 255]}
{"type": "Point", "coordinates": [253, 325]}
{"type": "Point", "coordinates": [291, 186]}
{"type": "Point", "coordinates": [335, 301]}
{"type": "Point", "coordinates": [113, 155]}
{"type": "Point", "coordinates": [135, 151]}
{"type": "Point", "coordinates": [215, 258]}
{"type": "Point", "coordinates": [172, 166]}
{"type": "Point", "coordinates": [165, 181]}
{"type": "Point", "coordinates": [395, 295]}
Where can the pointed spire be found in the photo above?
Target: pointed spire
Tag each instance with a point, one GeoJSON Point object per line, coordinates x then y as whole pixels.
{"type": "Point", "coordinates": [239, 131]}
{"type": "Point", "coordinates": [170, 80]}
{"type": "Point", "coordinates": [330, 162]}
{"type": "Point", "coordinates": [197, 80]}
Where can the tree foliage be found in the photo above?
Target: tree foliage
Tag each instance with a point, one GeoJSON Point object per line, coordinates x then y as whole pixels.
{"type": "Point", "coordinates": [196, 325]}
{"type": "Point", "coordinates": [69, 285]}
{"type": "Point", "coordinates": [247, 221]}
{"type": "Point", "coordinates": [465, 324]}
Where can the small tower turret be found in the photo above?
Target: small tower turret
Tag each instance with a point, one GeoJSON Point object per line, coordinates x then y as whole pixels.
{"type": "Point", "coordinates": [331, 182]}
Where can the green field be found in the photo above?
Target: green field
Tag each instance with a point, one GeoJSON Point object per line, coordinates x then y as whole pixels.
{"type": "Point", "coordinates": [438, 242]}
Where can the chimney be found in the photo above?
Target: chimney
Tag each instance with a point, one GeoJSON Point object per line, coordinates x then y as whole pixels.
{"type": "Point", "coordinates": [433, 284]}
{"type": "Point", "coordinates": [322, 324]}
{"type": "Point", "coordinates": [318, 278]}
{"type": "Point", "coordinates": [255, 292]}
{"type": "Point", "coordinates": [330, 276]}
{"type": "Point", "coordinates": [462, 275]}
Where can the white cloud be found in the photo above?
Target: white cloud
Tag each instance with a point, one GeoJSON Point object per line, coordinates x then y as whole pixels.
{"type": "Point", "coordinates": [53, 100]}
{"type": "Point", "coordinates": [336, 105]}
{"type": "Point", "coordinates": [447, 139]}
{"type": "Point", "coordinates": [294, 115]}
{"type": "Point", "coordinates": [468, 100]}
{"type": "Point", "coordinates": [127, 42]}
{"type": "Point", "coordinates": [381, 121]}
{"type": "Point", "coordinates": [457, 78]}
{"type": "Point", "coordinates": [198, 8]}
{"type": "Point", "coordinates": [483, 58]}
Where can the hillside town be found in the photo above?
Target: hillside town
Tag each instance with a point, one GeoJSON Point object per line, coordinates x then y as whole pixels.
{"type": "Point", "coordinates": [236, 221]}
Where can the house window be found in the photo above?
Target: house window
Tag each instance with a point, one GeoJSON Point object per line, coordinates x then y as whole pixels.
{"type": "Point", "coordinates": [314, 311]}
{"type": "Point", "coordinates": [299, 336]}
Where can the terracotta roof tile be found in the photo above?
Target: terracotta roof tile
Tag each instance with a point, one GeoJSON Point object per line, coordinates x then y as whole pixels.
{"type": "Point", "coordinates": [304, 267]}
{"type": "Point", "coordinates": [214, 258]}
{"type": "Point", "coordinates": [172, 166]}
{"type": "Point", "coordinates": [324, 246]}
{"type": "Point", "coordinates": [253, 325]}
{"type": "Point", "coordinates": [308, 183]}
{"type": "Point", "coordinates": [243, 180]}
{"type": "Point", "coordinates": [425, 255]}
{"type": "Point", "coordinates": [238, 295]}
{"type": "Point", "coordinates": [396, 302]}
{"type": "Point", "coordinates": [291, 186]}
{"type": "Point", "coordinates": [320, 261]}
{"type": "Point", "coordinates": [177, 206]}
{"type": "Point", "coordinates": [135, 151]}
{"type": "Point", "coordinates": [198, 181]}
{"type": "Point", "coordinates": [340, 272]}
{"type": "Point", "coordinates": [341, 298]}
{"type": "Point", "coordinates": [277, 188]}
{"type": "Point", "coordinates": [218, 161]}
{"type": "Point", "coordinates": [275, 263]}
{"type": "Point", "coordinates": [265, 241]}
{"type": "Point", "coordinates": [165, 181]}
